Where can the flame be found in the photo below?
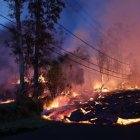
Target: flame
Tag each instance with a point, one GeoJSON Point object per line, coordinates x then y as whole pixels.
{"type": "Point", "coordinates": [105, 90]}
{"type": "Point", "coordinates": [18, 81]}
{"type": "Point", "coordinates": [45, 117]}
{"type": "Point", "coordinates": [75, 94]}
{"type": "Point", "coordinates": [127, 121]}
{"type": "Point", "coordinates": [62, 107]}
{"type": "Point", "coordinates": [57, 102]}
{"type": "Point", "coordinates": [42, 79]}
{"type": "Point", "coordinates": [84, 112]}
{"type": "Point", "coordinates": [84, 122]}
{"type": "Point", "coordinates": [8, 101]}
{"type": "Point", "coordinates": [91, 99]}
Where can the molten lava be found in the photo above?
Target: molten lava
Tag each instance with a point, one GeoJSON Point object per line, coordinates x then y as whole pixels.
{"type": "Point", "coordinates": [7, 101]}
{"type": "Point", "coordinates": [95, 108]}
{"type": "Point", "coordinates": [127, 121]}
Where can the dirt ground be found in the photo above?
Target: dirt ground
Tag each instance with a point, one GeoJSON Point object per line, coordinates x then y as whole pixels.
{"type": "Point", "coordinates": [80, 132]}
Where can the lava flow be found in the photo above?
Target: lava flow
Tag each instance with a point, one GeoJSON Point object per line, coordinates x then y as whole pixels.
{"type": "Point", "coordinates": [106, 108]}
{"type": "Point", "coordinates": [7, 101]}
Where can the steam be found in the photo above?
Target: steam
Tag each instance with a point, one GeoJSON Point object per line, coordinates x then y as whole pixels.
{"type": "Point", "coordinates": [108, 14]}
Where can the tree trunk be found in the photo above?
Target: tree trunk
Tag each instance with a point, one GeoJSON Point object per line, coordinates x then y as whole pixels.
{"type": "Point", "coordinates": [37, 47]}
{"type": "Point", "coordinates": [20, 45]}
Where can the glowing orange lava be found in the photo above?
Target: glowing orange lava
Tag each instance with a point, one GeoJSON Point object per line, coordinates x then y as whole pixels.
{"type": "Point", "coordinates": [8, 101]}
{"type": "Point", "coordinates": [127, 121]}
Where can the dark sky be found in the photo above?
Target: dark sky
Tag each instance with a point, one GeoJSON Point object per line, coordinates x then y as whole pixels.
{"type": "Point", "coordinates": [69, 17]}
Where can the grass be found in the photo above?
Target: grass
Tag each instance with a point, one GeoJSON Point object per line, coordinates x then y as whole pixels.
{"type": "Point", "coordinates": [24, 124]}
{"type": "Point", "coordinates": [17, 125]}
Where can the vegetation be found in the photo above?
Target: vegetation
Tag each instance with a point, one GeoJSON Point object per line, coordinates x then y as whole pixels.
{"type": "Point", "coordinates": [31, 40]}
{"type": "Point", "coordinates": [24, 124]}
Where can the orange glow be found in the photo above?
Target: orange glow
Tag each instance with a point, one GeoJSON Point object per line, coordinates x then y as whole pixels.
{"type": "Point", "coordinates": [84, 112]}
{"type": "Point", "coordinates": [127, 121]}
{"type": "Point", "coordinates": [84, 122]}
{"type": "Point", "coordinates": [75, 94]}
{"type": "Point", "coordinates": [6, 102]}
{"type": "Point", "coordinates": [18, 81]}
{"type": "Point", "coordinates": [91, 99]}
{"type": "Point", "coordinates": [45, 117]}
{"type": "Point", "coordinates": [58, 102]}
{"type": "Point", "coordinates": [105, 90]}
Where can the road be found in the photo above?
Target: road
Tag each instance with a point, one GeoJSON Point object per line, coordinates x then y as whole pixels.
{"type": "Point", "coordinates": [80, 132]}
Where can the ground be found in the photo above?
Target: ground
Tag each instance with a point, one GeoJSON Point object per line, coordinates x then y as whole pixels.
{"type": "Point", "coordinates": [81, 132]}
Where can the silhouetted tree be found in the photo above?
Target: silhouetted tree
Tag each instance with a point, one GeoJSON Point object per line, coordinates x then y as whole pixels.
{"type": "Point", "coordinates": [43, 14]}
{"type": "Point", "coordinates": [16, 44]}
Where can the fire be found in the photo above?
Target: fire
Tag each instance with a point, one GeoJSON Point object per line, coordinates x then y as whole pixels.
{"type": "Point", "coordinates": [45, 117]}
{"type": "Point", "coordinates": [8, 101]}
{"type": "Point", "coordinates": [92, 108]}
{"type": "Point", "coordinates": [84, 122]}
{"type": "Point", "coordinates": [58, 102]}
{"type": "Point", "coordinates": [84, 112]}
{"type": "Point", "coordinates": [105, 90]}
{"type": "Point", "coordinates": [42, 79]}
{"type": "Point", "coordinates": [18, 81]}
{"type": "Point", "coordinates": [75, 94]}
{"type": "Point", "coordinates": [91, 99]}
{"type": "Point", "coordinates": [127, 121]}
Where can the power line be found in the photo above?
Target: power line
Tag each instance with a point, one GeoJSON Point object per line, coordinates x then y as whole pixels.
{"type": "Point", "coordinates": [10, 29]}
{"type": "Point", "coordinates": [96, 22]}
{"type": "Point", "coordinates": [82, 59]}
{"type": "Point", "coordinates": [84, 65]}
{"type": "Point", "coordinates": [80, 63]}
{"type": "Point", "coordinates": [63, 56]}
{"type": "Point", "coordinates": [90, 71]}
{"type": "Point", "coordinates": [13, 22]}
{"type": "Point", "coordinates": [92, 46]}
{"type": "Point", "coordinates": [5, 32]}
{"type": "Point", "coordinates": [91, 62]}
{"type": "Point", "coordinates": [79, 39]}
{"type": "Point", "coordinates": [79, 57]}
{"type": "Point", "coordinates": [97, 31]}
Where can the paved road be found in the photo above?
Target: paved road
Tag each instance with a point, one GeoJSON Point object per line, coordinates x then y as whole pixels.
{"type": "Point", "coordinates": [80, 132]}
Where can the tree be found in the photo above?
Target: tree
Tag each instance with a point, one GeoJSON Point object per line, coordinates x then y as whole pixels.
{"type": "Point", "coordinates": [43, 14]}
{"type": "Point", "coordinates": [16, 45]}
{"type": "Point", "coordinates": [112, 46]}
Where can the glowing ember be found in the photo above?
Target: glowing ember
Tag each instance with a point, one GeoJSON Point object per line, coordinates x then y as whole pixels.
{"type": "Point", "coordinates": [85, 112]}
{"type": "Point", "coordinates": [91, 99]}
{"type": "Point", "coordinates": [93, 119]}
{"type": "Point", "coordinates": [127, 121]}
{"type": "Point", "coordinates": [105, 90]}
{"type": "Point", "coordinates": [6, 102]}
{"type": "Point", "coordinates": [94, 108]}
{"type": "Point", "coordinates": [42, 79]}
{"type": "Point", "coordinates": [84, 122]}
{"type": "Point", "coordinates": [75, 94]}
{"type": "Point", "coordinates": [18, 81]}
